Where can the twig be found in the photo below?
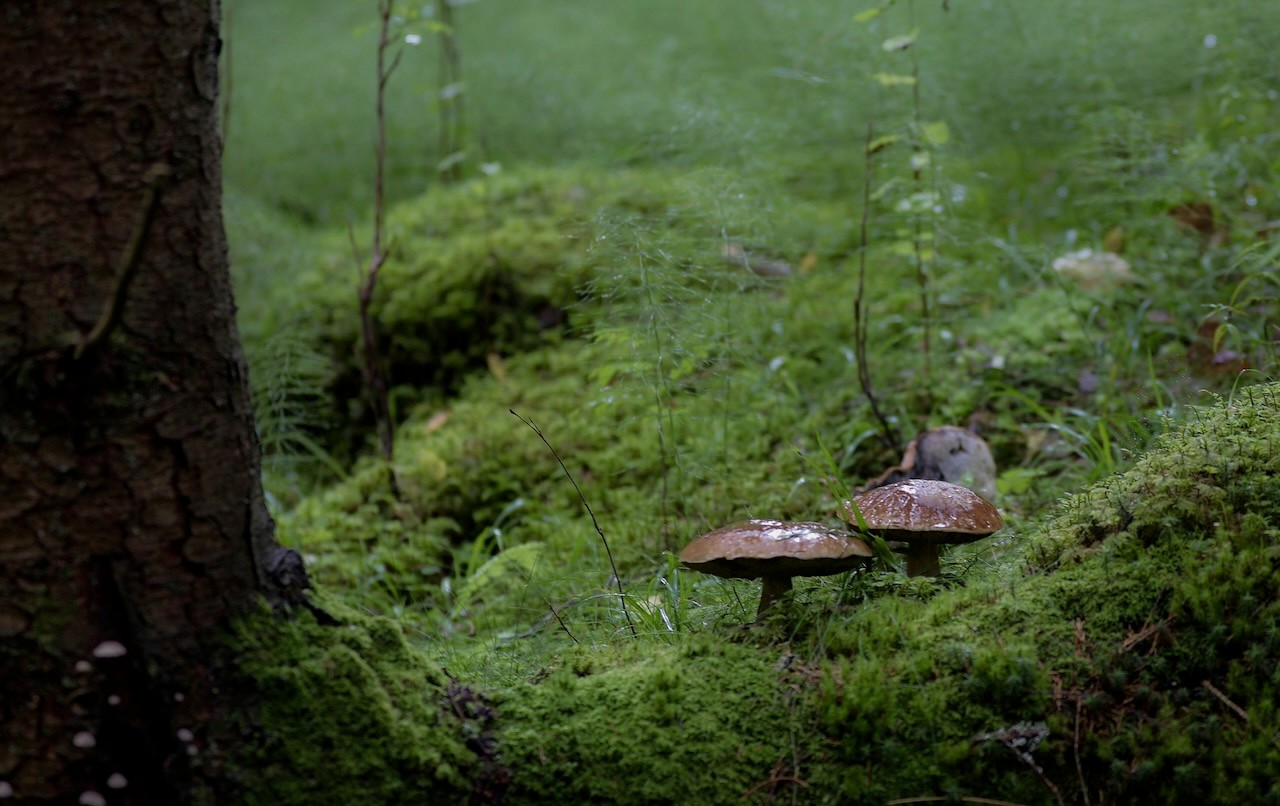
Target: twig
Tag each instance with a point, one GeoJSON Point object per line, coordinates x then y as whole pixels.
{"type": "Point", "coordinates": [128, 262]}
{"type": "Point", "coordinates": [776, 777]}
{"type": "Point", "coordinates": [560, 621]}
{"type": "Point", "coordinates": [1141, 635]}
{"type": "Point", "coordinates": [1084, 787]}
{"type": "Point", "coordinates": [374, 379]}
{"type": "Point", "coordinates": [622, 597]}
{"type": "Point", "coordinates": [1237, 710]}
{"type": "Point", "coordinates": [545, 620]}
{"type": "Point", "coordinates": [1026, 758]}
{"type": "Point", "coordinates": [1021, 739]}
{"type": "Point", "coordinates": [888, 434]}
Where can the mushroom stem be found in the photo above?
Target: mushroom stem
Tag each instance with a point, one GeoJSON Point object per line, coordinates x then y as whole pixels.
{"type": "Point", "coordinates": [923, 560]}
{"type": "Point", "coordinates": [774, 586]}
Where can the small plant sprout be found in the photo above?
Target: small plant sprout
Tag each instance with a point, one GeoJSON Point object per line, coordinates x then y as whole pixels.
{"type": "Point", "coordinates": [774, 552]}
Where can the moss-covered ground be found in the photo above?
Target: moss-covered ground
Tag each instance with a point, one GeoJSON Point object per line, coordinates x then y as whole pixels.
{"type": "Point", "coordinates": [1125, 650]}
{"type": "Point", "coordinates": [659, 277]}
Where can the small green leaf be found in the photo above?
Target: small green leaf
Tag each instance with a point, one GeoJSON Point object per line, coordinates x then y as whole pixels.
{"type": "Point", "coordinates": [936, 134]}
{"type": "Point", "coordinates": [900, 42]}
{"type": "Point", "coordinates": [1018, 480]}
{"type": "Point", "coordinates": [872, 13]}
{"type": "Point", "coordinates": [881, 143]}
{"type": "Point", "coordinates": [920, 160]}
{"type": "Point", "coordinates": [884, 189]}
{"type": "Point", "coordinates": [894, 80]}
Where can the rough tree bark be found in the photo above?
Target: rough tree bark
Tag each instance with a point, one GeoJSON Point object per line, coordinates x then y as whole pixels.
{"type": "Point", "coordinates": [132, 521]}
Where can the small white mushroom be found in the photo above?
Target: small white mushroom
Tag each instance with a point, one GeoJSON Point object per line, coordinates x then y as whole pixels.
{"type": "Point", "coordinates": [110, 649]}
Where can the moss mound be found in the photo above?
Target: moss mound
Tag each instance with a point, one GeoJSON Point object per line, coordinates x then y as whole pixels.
{"type": "Point", "coordinates": [351, 714]}
{"type": "Point", "coordinates": [1127, 650]}
{"type": "Point", "coordinates": [492, 267]}
{"type": "Point", "coordinates": [701, 723]}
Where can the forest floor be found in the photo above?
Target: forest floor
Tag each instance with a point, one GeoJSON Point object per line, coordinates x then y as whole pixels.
{"type": "Point", "coordinates": [644, 295]}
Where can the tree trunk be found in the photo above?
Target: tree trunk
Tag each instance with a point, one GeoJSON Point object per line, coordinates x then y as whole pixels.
{"type": "Point", "coordinates": [132, 521]}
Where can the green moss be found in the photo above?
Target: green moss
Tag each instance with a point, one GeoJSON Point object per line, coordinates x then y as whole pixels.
{"type": "Point", "coordinates": [1145, 622]}
{"type": "Point", "coordinates": [349, 714]}
{"type": "Point", "coordinates": [1115, 641]}
{"type": "Point", "coordinates": [493, 266]}
{"type": "Point", "coordinates": [668, 726]}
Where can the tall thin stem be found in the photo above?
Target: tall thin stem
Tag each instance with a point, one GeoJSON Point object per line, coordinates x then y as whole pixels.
{"type": "Point", "coordinates": [888, 434]}
{"type": "Point", "coordinates": [917, 150]}
{"type": "Point", "coordinates": [622, 597]}
{"type": "Point", "coordinates": [375, 379]}
{"type": "Point", "coordinates": [450, 96]}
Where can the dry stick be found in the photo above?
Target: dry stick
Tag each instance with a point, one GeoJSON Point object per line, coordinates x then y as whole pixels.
{"type": "Point", "coordinates": [888, 434]}
{"type": "Point", "coordinates": [128, 265]}
{"type": "Point", "coordinates": [373, 376]}
{"type": "Point", "coordinates": [560, 621]}
{"type": "Point", "coordinates": [545, 620]}
{"type": "Point", "coordinates": [622, 597]}
{"type": "Point", "coordinates": [1212, 689]}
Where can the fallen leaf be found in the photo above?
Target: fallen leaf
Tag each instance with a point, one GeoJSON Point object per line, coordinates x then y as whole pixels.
{"type": "Point", "coordinates": [436, 422]}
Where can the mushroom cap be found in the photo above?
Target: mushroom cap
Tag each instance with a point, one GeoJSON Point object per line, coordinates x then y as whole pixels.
{"type": "Point", "coordinates": [760, 548]}
{"type": "Point", "coordinates": [923, 510]}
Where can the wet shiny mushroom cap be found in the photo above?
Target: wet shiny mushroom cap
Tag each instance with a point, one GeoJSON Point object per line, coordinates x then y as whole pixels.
{"type": "Point", "coordinates": [765, 548]}
{"type": "Point", "coordinates": [922, 509]}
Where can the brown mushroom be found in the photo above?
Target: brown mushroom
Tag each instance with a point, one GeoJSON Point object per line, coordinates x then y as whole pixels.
{"type": "Point", "coordinates": [925, 514]}
{"type": "Point", "coordinates": [774, 552]}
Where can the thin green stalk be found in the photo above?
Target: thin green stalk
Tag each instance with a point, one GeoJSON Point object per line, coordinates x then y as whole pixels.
{"type": "Point", "coordinates": [917, 149]}
{"type": "Point", "coordinates": [622, 596]}
{"type": "Point", "coordinates": [887, 432]}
